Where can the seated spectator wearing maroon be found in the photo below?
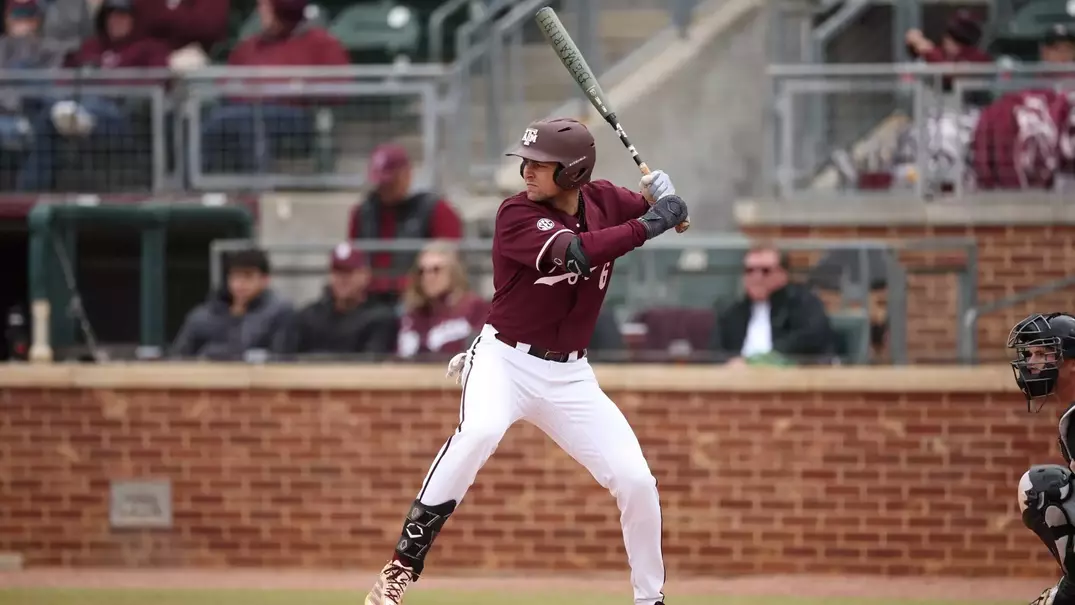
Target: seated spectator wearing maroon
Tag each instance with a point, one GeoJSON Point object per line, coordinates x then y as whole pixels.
{"type": "Point", "coordinates": [441, 315]}
{"type": "Point", "coordinates": [344, 320]}
{"type": "Point", "coordinates": [958, 45]}
{"type": "Point", "coordinates": [117, 46]}
{"type": "Point", "coordinates": [393, 211]}
{"type": "Point", "coordinates": [244, 134]}
{"type": "Point", "coordinates": [184, 25]}
{"type": "Point", "coordinates": [1026, 139]}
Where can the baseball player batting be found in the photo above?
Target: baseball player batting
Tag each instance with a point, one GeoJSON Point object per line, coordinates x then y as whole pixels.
{"type": "Point", "coordinates": [553, 250]}
{"type": "Point", "coordinates": [1043, 346]}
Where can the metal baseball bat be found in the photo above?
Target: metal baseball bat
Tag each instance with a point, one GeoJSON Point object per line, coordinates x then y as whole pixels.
{"type": "Point", "coordinates": [556, 34]}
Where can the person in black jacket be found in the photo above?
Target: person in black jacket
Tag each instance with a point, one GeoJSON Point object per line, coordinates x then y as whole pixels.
{"type": "Point", "coordinates": [773, 316]}
{"type": "Point", "coordinates": [344, 320]}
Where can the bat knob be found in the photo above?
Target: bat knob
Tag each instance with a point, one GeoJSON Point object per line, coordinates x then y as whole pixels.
{"type": "Point", "coordinates": [680, 228]}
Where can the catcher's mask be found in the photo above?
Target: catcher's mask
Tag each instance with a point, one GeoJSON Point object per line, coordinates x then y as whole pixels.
{"type": "Point", "coordinates": [1041, 343]}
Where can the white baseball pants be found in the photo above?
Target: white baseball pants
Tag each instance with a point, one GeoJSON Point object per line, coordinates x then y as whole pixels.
{"type": "Point", "coordinates": [502, 385]}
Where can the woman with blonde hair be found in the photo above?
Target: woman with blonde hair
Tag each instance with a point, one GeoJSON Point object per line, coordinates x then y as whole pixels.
{"type": "Point", "coordinates": [440, 313]}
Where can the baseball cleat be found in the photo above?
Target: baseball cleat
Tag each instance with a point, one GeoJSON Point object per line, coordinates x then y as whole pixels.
{"type": "Point", "coordinates": [1047, 597]}
{"type": "Point", "coordinates": [391, 584]}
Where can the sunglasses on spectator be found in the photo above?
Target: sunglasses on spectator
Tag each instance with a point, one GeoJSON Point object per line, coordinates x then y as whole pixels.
{"type": "Point", "coordinates": [762, 269]}
{"type": "Point", "coordinates": [433, 269]}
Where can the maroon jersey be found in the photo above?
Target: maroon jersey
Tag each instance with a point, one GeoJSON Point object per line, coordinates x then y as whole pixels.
{"type": "Point", "coordinates": [442, 328]}
{"type": "Point", "coordinates": [1023, 139]}
{"type": "Point", "coordinates": [536, 301]}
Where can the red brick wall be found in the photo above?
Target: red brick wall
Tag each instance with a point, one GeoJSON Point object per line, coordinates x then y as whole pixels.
{"type": "Point", "coordinates": [1011, 260]}
{"type": "Point", "coordinates": [900, 484]}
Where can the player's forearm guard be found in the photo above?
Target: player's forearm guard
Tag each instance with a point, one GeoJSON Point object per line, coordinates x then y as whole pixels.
{"type": "Point", "coordinates": [422, 525]}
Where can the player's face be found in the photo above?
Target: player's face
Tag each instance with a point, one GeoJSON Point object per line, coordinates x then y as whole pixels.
{"type": "Point", "coordinates": [434, 271]}
{"type": "Point", "coordinates": [538, 176]}
{"type": "Point", "coordinates": [1040, 358]}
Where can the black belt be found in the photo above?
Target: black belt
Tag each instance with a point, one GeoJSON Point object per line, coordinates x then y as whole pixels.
{"type": "Point", "coordinates": [540, 353]}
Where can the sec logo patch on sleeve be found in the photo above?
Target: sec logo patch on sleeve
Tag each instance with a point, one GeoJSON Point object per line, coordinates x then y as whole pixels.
{"type": "Point", "coordinates": [545, 224]}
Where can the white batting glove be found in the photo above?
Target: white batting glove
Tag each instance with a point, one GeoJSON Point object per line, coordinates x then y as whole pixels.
{"type": "Point", "coordinates": [656, 185]}
{"type": "Point", "coordinates": [455, 367]}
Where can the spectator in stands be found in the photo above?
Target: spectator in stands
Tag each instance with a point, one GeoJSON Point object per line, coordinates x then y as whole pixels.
{"type": "Point", "coordinates": [69, 22]}
{"type": "Point", "coordinates": [441, 314]}
{"type": "Point", "coordinates": [191, 28]}
{"type": "Point", "coordinates": [117, 45]}
{"type": "Point", "coordinates": [250, 131]}
{"type": "Point", "coordinates": [241, 319]}
{"type": "Point", "coordinates": [776, 319]}
{"type": "Point", "coordinates": [344, 320]}
{"type": "Point", "coordinates": [958, 45]}
{"type": "Point", "coordinates": [22, 47]}
{"type": "Point", "coordinates": [392, 210]}
{"type": "Point", "coordinates": [1058, 45]}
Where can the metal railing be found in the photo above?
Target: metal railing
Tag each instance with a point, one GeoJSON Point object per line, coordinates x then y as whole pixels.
{"type": "Point", "coordinates": [699, 272]}
{"type": "Point", "coordinates": [218, 128]}
{"type": "Point", "coordinates": [506, 75]}
{"type": "Point", "coordinates": [968, 352]}
{"type": "Point", "coordinates": [913, 129]}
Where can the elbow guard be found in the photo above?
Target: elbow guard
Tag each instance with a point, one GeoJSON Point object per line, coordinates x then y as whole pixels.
{"type": "Point", "coordinates": [575, 259]}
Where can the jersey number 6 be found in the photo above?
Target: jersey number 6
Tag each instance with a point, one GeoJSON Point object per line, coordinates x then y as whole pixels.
{"type": "Point", "coordinates": [605, 270]}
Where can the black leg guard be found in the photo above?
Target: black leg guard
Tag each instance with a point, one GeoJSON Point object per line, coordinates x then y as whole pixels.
{"type": "Point", "coordinates": [1049, 509]}
{"type": "Point", "coordinates": [421, 527]}
{"type": "Point", "coordinates": [1065, 592]}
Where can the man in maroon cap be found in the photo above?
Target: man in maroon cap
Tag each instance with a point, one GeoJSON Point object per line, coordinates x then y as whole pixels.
{"type": "Point", "coordinates": [393, 211]}
{"type": "Point", "coordinates": [344, 320]}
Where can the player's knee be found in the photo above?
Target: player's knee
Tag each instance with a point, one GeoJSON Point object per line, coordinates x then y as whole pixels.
{"type": "Point", "coordinates": [630, 480]}
{"type": "Point", "coordinates": [1043, 485]}
{"type": "Point", "coordinates": [483, 438]}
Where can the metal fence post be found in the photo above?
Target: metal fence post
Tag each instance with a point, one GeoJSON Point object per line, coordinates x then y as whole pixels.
{"type": "Point", "coordinates": [897, 308]}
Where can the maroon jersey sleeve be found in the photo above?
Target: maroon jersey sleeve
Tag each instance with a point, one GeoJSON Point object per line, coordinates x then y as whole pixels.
{"type": "Point", "coordinates": [526, 233]}
{"type": "Point", "coordinates": [621, 203]}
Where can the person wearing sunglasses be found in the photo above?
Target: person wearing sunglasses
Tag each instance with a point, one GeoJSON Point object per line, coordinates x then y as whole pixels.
{"type": "Point", "coordinates": [775, 321]}
{"type": "Point", "coordinates": [441, 315]}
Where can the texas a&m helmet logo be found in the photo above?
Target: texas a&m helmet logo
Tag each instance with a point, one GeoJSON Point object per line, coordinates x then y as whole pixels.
{"type": "Point", "coordinates": [530, 136]}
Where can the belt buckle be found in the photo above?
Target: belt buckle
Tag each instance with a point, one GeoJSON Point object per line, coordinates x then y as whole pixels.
{"type": "Point", "coordinates": [555, 356]}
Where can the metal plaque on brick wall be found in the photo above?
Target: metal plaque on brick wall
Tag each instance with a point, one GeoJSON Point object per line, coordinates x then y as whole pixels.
{"type": "Point", "coordinates": [141, 504]}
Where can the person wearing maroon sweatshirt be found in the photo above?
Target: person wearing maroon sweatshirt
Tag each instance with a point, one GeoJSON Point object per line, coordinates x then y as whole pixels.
{"type": "Point", "coordinates": [180, 23]}
{"type": "Point", "coordinates": [243, 134]}
{"type": "Point", "coordinates": [440, 313]}
{"type": "Point", "coordinates": [958, 45]}
{"type": "Point", "coordinates": [118, 45]}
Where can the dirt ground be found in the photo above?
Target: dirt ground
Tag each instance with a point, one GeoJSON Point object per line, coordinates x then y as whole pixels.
{"type": "Point", "coordinates": [798, 585]}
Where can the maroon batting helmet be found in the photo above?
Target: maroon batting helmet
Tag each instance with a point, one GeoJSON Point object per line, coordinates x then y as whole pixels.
{"type": "Point", "coordinates": [562, 140]}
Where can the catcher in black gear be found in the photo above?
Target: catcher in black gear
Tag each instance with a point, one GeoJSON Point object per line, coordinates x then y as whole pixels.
{"type": "Point", "coordinates": [1043, 345]}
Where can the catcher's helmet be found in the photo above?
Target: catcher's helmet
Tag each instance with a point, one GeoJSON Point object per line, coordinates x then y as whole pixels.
{"type": "Point", "coordinates": [562, 140]}
{"type": "Point", "coordinates": [1053, 337]}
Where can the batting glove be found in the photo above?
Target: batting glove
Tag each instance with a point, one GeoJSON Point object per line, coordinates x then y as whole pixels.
{"type": "Point", "coordinates": [455, 367]}
{"type": "Point", "coordinates": [656, 185]}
